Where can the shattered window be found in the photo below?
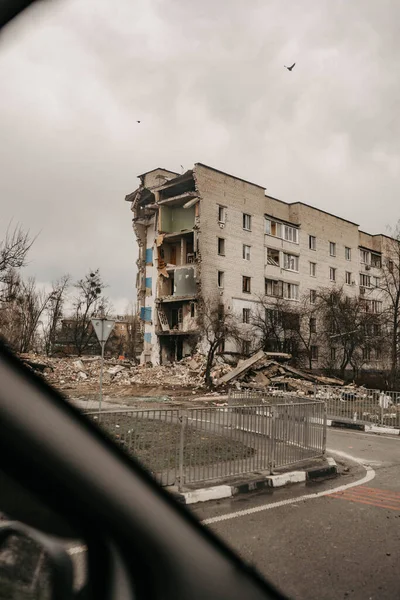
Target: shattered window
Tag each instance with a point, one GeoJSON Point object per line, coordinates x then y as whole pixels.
{"type": "Point", "coordinates": [273, 257]}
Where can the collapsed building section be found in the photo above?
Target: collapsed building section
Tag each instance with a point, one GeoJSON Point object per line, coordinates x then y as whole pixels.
{"type": "Point", "coordinates": [166, 211]}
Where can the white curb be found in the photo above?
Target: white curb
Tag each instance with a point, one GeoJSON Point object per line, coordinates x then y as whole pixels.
{"type": "Point", "coordinates": [205, 494]}
{"type": "Point", "coordinates": [220, 492]}
{"type": "Point", "coordinates": [285, 478]}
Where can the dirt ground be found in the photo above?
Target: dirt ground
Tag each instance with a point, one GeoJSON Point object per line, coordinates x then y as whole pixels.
{"type": "Point", "coordinates": [140, 434]}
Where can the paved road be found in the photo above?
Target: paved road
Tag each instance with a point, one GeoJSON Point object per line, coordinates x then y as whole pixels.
{"type": "Point", "coordinates": [343, 544]}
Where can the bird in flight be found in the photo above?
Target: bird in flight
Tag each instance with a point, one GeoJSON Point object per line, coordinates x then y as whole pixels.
{"type": "Point", "coordinates": [137, 121]}
{"type": "Point", "coordinates": [289, 68]}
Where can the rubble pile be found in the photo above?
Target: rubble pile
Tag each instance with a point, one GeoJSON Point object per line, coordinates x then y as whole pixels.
{"type": "Point", "coordinates": [65, 372]}
{"type": "Point", "coordinates": [259, 372]}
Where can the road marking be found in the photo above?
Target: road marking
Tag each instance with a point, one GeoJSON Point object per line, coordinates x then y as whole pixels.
{"type": "Point", "coordinates": [369, 476]}
{"type": "Point", "coordinates": [377, 497]}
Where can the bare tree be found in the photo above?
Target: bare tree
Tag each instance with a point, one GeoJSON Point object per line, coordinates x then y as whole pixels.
{"type": "Point", "coordinates": [217, 325]}
{"type": "Point", "coordinates": [13, 251]}
{"type": "Point", "coordinates": [22, 311]}
{"type": "Point", "coordinates": [274, 323]}
{"type": "Point", "coordinates": [133, 342]}
{"type": "Point", "coordinates": [349, 326]}
{"type": "Point", "coordinates": [54, 311]}
{"type": "Point", "coordinates": [300, 323]}
{"type": "Point", "coordinates": [87, 303]}
{"type": "Point", "coordinates": [390, 286]}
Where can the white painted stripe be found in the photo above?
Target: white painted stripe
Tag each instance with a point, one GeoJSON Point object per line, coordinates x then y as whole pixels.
{"type": "Point", "coordinates": [76, 549]}
{"type": "Point", "coordinates": [205, 494]}
{"type": "Point", "coordinates": [370, 474]}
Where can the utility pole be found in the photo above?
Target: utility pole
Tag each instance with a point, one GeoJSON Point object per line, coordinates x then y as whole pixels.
{"type": "Point", "coordinates": [102, 327]}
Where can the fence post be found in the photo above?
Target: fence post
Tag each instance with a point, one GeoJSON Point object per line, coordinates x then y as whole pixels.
{"type": "Point", "coordinates": [324, 430]}
{"type": "Point", "coordinates": [183, 421]}
{"type": "Point", "coordinates": [381, 400]}
{"type": "Point", "coordinates": [271, 463]}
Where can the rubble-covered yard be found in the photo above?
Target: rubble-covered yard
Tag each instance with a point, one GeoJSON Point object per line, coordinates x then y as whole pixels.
{"type": "Point", "coordinates": [79, 377]}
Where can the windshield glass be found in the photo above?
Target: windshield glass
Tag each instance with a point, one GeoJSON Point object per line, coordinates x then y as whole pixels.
{"type": "Point", "coordinates": [200, 249]}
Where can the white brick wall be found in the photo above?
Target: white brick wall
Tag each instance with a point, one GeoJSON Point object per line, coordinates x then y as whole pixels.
{"type": "Point", "coordinates": [216, 188]}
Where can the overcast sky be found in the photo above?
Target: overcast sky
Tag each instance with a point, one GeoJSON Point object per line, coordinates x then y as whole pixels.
{"type": "Point", "coordinates": [207, 82]}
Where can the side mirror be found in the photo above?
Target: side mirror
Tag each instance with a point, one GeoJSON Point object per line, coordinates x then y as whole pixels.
{"type": "Point", "coordinates": [33, 565]}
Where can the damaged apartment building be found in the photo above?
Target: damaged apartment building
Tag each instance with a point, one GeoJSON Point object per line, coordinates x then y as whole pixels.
{"type": "Point", "coordinates": [205, 233]}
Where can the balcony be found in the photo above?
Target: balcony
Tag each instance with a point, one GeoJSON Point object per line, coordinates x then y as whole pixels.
{"type": "Point", "coordinates": [180, 283]}
{"type": "Point", "coordinates": [177, 319]}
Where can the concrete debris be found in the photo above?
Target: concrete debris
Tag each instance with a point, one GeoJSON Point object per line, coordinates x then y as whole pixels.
{"type": "Point", "coordinates": [78, 365]}
{"type": "Point", "coordinates": [242, 367]}
{"type": "Point", "coordinates": [258, 372]}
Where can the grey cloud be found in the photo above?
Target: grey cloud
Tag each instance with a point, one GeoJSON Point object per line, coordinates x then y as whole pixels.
{"type": "Point", "coordinates": [208, 84]}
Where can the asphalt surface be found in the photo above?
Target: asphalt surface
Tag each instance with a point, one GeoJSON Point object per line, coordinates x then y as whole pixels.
{"type": "Point", "coordinates": [343, 544]}
{"type": "Point", "coordinates": [334, 539]}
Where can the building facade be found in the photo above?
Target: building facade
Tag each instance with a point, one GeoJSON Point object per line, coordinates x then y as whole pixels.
{"type": "Point", "coordinates": [205, 233]}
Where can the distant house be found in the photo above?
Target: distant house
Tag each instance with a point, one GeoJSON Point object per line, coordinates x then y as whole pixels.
{"type": "Point", "coordinates": [125, 339]}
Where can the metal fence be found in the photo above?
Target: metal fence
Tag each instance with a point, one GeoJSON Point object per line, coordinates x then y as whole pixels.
{"type": "Point", "coordinates": [360, 405]}
{"type": "Point", "coordinates": [204, 444]}
{"type": "Point", "coordinates": [267, 396]}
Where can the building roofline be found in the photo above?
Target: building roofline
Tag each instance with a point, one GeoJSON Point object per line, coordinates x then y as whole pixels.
{"type": "Point", "coordinates": [325, 212]}
{"type": "Point", "coordinates": [199, 164]}
{"type": "Point", "coordinates": [312, 207]}
{"type": "Point", "coordinates": [158, 169]}
{"type": "Point", "coordinates": [388, 237]}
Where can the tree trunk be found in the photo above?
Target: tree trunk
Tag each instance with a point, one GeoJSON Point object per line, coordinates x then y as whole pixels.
{"type": "Point", "coordinates": [210, 360]}
{"type": "Point", "coordinates": [393, 366]}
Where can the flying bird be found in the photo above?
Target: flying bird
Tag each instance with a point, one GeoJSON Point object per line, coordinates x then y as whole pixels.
{"type": "Point", "coordinates": [137, 121]}
{"type": "Point", "coordinates": [289, 68]}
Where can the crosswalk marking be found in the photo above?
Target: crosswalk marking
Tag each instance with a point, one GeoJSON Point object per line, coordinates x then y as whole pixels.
{"type": "Point", "coordinates": [380, 498]}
